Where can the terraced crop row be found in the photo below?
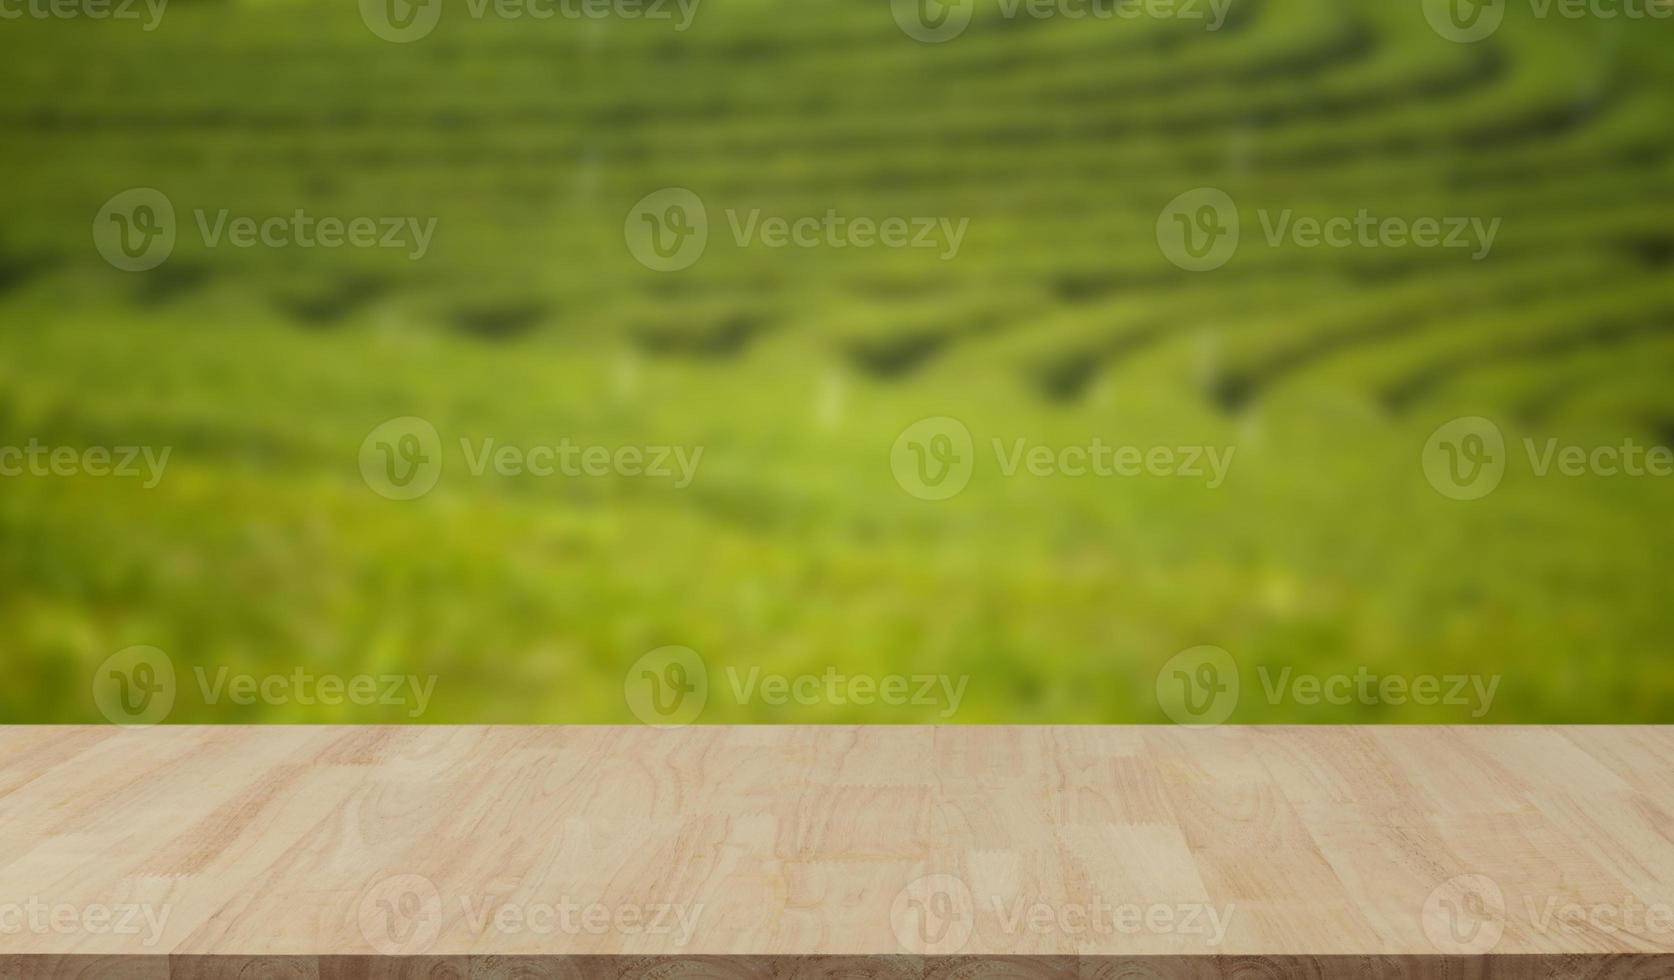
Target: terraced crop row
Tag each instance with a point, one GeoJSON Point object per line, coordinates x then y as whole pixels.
{"type": "Point", "coordinates": [1058, 140]}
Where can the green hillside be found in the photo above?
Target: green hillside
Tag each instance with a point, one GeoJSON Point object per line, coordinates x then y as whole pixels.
{"type": "Point", "coordinates": [1057, 320]}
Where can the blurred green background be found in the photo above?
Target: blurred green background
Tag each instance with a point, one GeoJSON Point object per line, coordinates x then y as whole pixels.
{"type": "Point", "coordinates": [795, 550]}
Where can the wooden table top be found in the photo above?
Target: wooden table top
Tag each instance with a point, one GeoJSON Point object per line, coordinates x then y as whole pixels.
{"type": "Point", "coordinates": [1051, 849]}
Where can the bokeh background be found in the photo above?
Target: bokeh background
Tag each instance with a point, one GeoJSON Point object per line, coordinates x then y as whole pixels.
{"type": "Point", "coordinates": [264, 549]}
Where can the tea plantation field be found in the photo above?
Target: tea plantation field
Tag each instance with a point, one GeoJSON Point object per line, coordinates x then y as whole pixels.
{"type": "Point", "coordinates": [1062, 319]}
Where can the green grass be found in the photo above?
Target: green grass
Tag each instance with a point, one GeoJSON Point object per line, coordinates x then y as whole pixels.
{"type": "Point", "coordinates": [1060, 321]}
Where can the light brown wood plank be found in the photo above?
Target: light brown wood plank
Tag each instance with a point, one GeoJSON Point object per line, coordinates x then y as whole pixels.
{"type": "Point", "coordinates": [1096, 853]}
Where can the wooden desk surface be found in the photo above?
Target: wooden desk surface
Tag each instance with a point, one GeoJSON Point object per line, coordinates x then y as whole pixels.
{"type": "Point", "coordinates": [1121, 852]}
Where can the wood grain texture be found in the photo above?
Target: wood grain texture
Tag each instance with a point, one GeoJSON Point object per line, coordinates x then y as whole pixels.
{"type": "Point", "coordinates": [837, 853]}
